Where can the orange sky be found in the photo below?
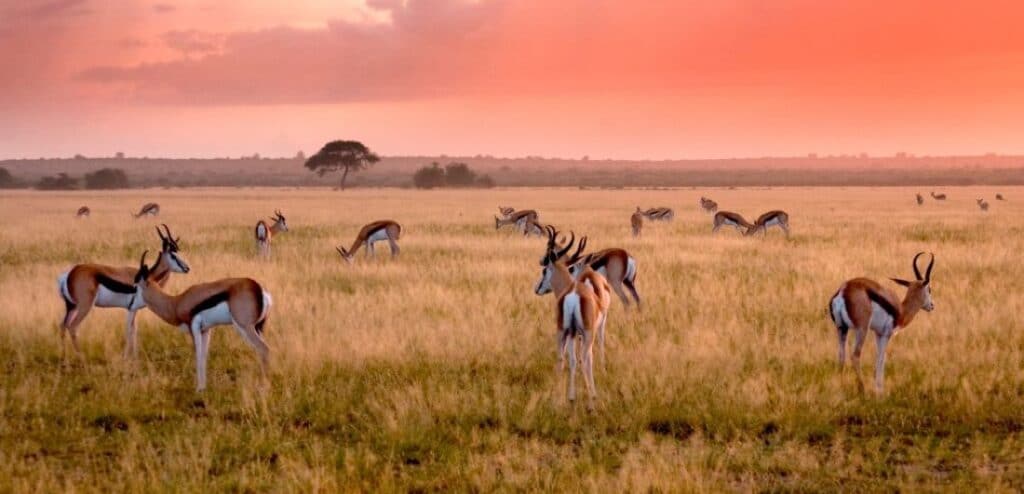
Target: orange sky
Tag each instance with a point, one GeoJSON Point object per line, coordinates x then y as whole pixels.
{"type": "Point", "coordinates": [640, 79]}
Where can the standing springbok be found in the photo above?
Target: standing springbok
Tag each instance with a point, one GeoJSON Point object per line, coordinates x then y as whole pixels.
{"type": "Point", "coordinates": [660, 214]}
{"type": "Point", "coordinates": [938, 197]}
{"type": "Point", "coordinates": [616, 265]}
{"type": "Point", "coordinates": [240, 302]}
{"type": "Point", "coordinates": [983, 204]}
{"type": "Point", "coordinates": [89, 285]}
{"type": "Point", "coordinates": [767, 220]}
{"type": "Point", "coordinates": [863, 304]}
{"type": "Point", "coordinates": [83, 212]}
{"type": "Point", "coordinates": [581, 311]}
{"type": "Point", "coordinates": [999, 197]}
{"type": "Point", "coordinates": [637, 222]}
{"type": "Point", "coordinates": [371, 234]}
{"type": "Point", "coordinates": [729, 218]}
{"type": "Point", "coordinates": [519, 219]}
{"type": "Point", "coordinates": [920, 199]}
{"type": "Point", "coordinates": [265, 233]}
{"type": "Point", "coordinates": [148, 209]}
{"type": "Point", "coordinates": [708, 205]}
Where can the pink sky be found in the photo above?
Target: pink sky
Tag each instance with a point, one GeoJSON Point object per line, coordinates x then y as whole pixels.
{"type": "Point", "coordinates": [567, 78]}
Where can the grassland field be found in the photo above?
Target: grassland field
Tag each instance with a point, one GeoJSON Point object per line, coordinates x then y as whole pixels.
{"type": "Point", "coordinates": [436, 371]}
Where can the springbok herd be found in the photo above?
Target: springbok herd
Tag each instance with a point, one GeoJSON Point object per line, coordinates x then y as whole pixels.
{"type": "Point", "coordinates": [581, 282]}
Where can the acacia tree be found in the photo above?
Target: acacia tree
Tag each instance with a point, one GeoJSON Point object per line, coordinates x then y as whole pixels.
{"type": "Point", "coordinates": [349, 156]}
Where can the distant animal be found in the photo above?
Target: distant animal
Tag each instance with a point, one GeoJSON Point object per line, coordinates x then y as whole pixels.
{"type": "Point", "coordinates": [519, 219]}
{"type": "Point", "coordinates": [87, 285]}
{"type": "Point", "coordinates": [920, 199]}
{"type": "Point", "coordinates": [265, 233]}
{"type": "Point", "coordinates": [239, 302]}
{"type": "Point", "coordinates": [999, 197]}
{"type": "Point", "coordinates": [83, 212]}
{"type": "Point", "coordinates": [983, 204]}
{"type": "Point", "coordinates": [729, 218]}
{"type": "Point", "coordinates": [533, 227]}
{"type": "Point", "coordinates": [660, 214]}
{"type": "Point", "coordinates": [637, 222]}
{"type": "Point", "coordinates": [862, 304]}
{"type": "Point", "coordinates": [369, 235]}
{"type": "Point", "coordinates": [148, 209]}
{"type": "Point", "coordinates": [938, 197]}
{"type": "Point", "coordinates": [580, 313]}
{"type": "Point", "coordinates": [708, 205]}
{"type": "Point", "coordinates": [767, 220]}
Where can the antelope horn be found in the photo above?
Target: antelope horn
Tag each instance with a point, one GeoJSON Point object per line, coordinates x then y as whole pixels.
{"type": "Point", "coordinates": [568, 246]}
{"type": "Point", "coordinates": [928, 271]}
{"type": "Point", "coordinates": [160, 233]}
{"type": "Point", "coordinates": [917, 272]}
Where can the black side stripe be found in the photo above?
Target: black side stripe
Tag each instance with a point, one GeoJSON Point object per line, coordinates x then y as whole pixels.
{"type": "Point", "coordinates": [884, 304]}
{"type": "Point", "coordinates": [114, 285]}
{"type": "Point", "coordinates": [208, 303]}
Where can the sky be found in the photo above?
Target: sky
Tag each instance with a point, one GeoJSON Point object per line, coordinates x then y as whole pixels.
{"type": "Point", "coordinates": [642, 79]}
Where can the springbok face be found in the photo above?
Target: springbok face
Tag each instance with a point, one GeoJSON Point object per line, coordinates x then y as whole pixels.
{"type": "Point", "coordinates": [543, 285]}
{"type": "Point", "coordinates": [552, 254]}
{"type": "Point", "coordinates": [346, 255]}
{"type": "Point", "coordinates": [279, 221]}
{"type": "Point", "coordinates": [169, 251]}
{"type": "Point", "coordinates": [919, 291]}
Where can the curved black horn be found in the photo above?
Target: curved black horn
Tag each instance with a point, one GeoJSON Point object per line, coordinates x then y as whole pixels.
{"type": "Point", "coordinates": [142, 261]}
{"type": "Point", "coordinates": [917, 272]}
{"type": "Point", "coordinates": [167, 229]}
{"type": "Point", "coordinates": [568, 246]}
{"type": "Point", "coordinates": [579, 249]}
{"type": "Point", "coordinates": [160, 233]}
{"type": "Point", "coordinates": [928, 272]}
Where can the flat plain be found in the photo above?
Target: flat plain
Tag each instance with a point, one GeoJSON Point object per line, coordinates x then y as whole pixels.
{"type": "Point", "coordinates": [436, 370]}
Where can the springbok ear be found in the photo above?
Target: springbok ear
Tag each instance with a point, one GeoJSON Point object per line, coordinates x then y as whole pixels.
{"type": "Point", "coordinates": [901, 282]}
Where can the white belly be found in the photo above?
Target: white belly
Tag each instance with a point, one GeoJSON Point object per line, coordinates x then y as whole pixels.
{"type": "Point", "coordinates": [218, 315]}
{"type": "Point", "coordinates": [377, 236]}
{"type": "Point", "coordinates": [108, 298]}
{"type": "Point", "coordinates": [771, 222]}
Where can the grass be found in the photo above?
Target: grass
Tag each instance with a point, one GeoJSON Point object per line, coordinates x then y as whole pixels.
{"type": "Point", "coordinates": [436, 371]}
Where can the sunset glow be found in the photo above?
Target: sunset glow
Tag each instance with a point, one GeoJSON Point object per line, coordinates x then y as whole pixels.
{"type": "Point", "coordinates": [657, 79]}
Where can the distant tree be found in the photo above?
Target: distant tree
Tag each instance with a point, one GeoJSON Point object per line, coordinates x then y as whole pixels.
{"type": "Point", "coordinates": [7, 180]}
{"type": "Point", "coordinates": [349, 156]}
{"type": "Point", "coordinates": [429, 177]}
{"type": "Point", "coordinates": [300, 156]}
{"type": "Point", "coordinates": [485, 182]}
{"type": "Point", "coordinates": [80, 157]}
{"type": "Point", "coordinates": [60, 182]}
{"type": "Point", "coordinates": [106, 178]}
{"type": "Point", "coordinates": [459, 175]}
{"type": "Point", "coordinates": [119, 155]}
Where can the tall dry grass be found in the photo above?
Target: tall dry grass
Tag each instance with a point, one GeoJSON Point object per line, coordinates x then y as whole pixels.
{"type": "Point", "coordinates": [436, 371]}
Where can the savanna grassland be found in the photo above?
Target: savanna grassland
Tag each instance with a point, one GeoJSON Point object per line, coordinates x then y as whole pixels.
{"type": "Point", "coordinates": [436, 371]}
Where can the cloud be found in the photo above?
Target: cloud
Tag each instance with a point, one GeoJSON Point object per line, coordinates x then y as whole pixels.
{"type": "Point", "coordinates": [55, 8]}
{"type": "Point", "coordinates": [164, 8]}
{"type": "Point", "coordinates": [193, 42]}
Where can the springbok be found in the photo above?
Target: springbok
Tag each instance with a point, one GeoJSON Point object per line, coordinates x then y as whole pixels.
{"type": "Point", "coordinates": [83, 212]}
{"type": "Point", "coordinates": [148, 209]}
{"type": "Point", "coordinates": [729, 218]}
{"type": "Point", "coordinates": [863, 304]}
{"type": "Point", "coordinates": [920, 199]}
{"type": "Point", "coordinates": [581, 311]}
{"type": "Point", "coordinates": [767, 220]}
{"type": "Point", "coordinates": [999, 197]}
{"type": "Point", "coordinates": [265, 233]}
{"type": "Point", "coordinates": [708, 205]}
{"type": "Point", "coordinates": [983, 204]}
{"type": "Point", "coordinates": [637, 222]}
{"type": "Point", "coordinates": [519, 219]}
{"type": "Point", "coordinates": [938, 197]}
{"type": "Point", "coordinates": [240, 302]}
{"type": "Point", "coordinates": [617, 266]}
{"type": "Point", "coordinates": [371, 234]}
{"type": "Point", "coordinates": [660, 214]}
{"type": "Point", "coordinates": [87, 285]}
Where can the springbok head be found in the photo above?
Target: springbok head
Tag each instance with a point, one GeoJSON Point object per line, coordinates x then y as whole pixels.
{"type": "Point", "coordinates": [279, 220]}
{"type": "Point", "coordinates": [552, 257]}
{"type": "Point", "coordinates": [169, 250]}
{"type": "Point", "coordinates": [919, 292]}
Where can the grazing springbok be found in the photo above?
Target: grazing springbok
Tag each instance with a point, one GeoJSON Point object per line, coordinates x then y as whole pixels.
{"type": "Point", "coordinates": [729, 218]}
{"type": "Point", "coordinates": [983, 204]}
{"type": "Point", "coordinates": [581, 312]}
{"type": "Point", "coordinates": [240, 302]}
{"type": "Point", "coordinates": [920, 199]}
{"type": "Point", "coordinates": [767, 220]}
{"type": "Point", "coordinates": [660, 214]}
{"type": "Point", "coordinates": [999, 197]}
{"type": "Point", "coordinates": [938, 197]}
{"type": "Point", "coordinates": [707, 205]}
{"type": "Point", "coordinates": [519, 219]}
{"type": "Point", "coordinates": [83, 212]}
{"type": "Point", "coordinates": [89, 285]}
{"type": "Point", "coordinates": [265, 233]}
{"type": "Point", "coordinates": [370, 234]}
{"type": "Point", "coordinates": [148, 209]}
{"type": "Point", "coordinates": [863, 304]}
{"type": "Point", "coordinates": [637, 222]}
